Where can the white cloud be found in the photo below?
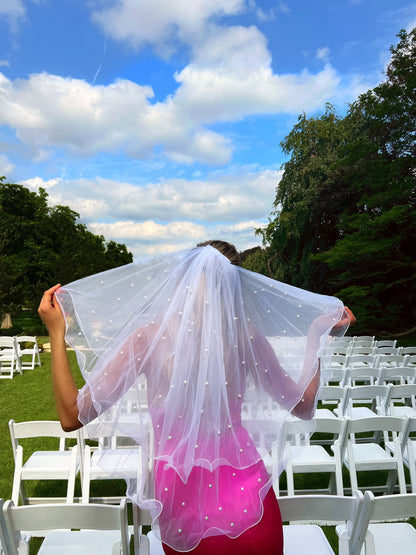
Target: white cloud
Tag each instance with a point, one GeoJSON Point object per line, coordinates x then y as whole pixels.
{"type": "Point", "coordinates": [51, 111]}
{"type": "Point", "coordinates": [323, 54]}
{"type": "Point", "coordinates": [160, 22]}
{"type": "Point", "coordinates": [171, 214]}
{"type": "Point", "coordinates": [6, 167]}
{"type": "Point", "coordinates": [229, 77]}
{"type": "Point", "coordinates": [4, 63]}
{"type": "Point", "coordinates": [13, 11]}
{"type": "Point", "coordinates": [224, 198]}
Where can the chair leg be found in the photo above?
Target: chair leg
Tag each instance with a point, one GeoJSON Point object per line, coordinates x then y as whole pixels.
{"type": "Point", "coordinates": [18, 486]}
{"type": "Point", "coordinates": [352, 468]}
{"type": "Point", "coordinates": [290, 478]}
{"type": "Point", "coordinates": [71, 476]}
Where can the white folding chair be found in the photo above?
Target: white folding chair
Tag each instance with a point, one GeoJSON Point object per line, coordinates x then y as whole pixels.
{"type": "Point", "coordinates": [386, 538]}
{"type": "Point", "coordinates": [366, 375]}
{"type": "Point", "coordinates": [316, 459]}
{"type": "Point", "coordinates": [99, 529]}
{"type": "Point", "coordinates": [9, 358]}
{"type": "Point", "coordinates": [356, 360]}
{"type": "Point", "coordinates": [357, 398]}
{"type": "Point", "coordinates": [408, 350]}
{"type": "Point", "coordinates": [58, 464]}
{"type": "Point", "coordinates": [370, 456]}
{"type": "Point", "coordinates": [120, 462]}
{"type": "Point", "coordinates": [325, 509]}
{"type": "Point", "coordinates": [364, 340]}
{"type": "Point", "coordinates": [389, 361]}
{"type": "Point", "coordinates": [330, 397]}
{"type": "Point", "coordinates": [389, 343]}
{"type": "Point", "coordinates": [30, 349]}
{"type": "Point", "coordinates": [397, 375]}
{"type": "Point", "coordinates": [401, 400]}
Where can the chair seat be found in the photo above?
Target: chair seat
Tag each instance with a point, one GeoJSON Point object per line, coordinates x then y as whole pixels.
{"type": "Point", "coordinates": [403, 411]}
{"type": "Point", "coordinates": [300, 539]}
{"type": "Point", "coordinates": [311, 456]}
{"type": "Point", "coordinates": [369, 455]}
{"type": "Point", "coordinates": [118, 462]}
{"type": "Point", "coordinates": [85, 542]}
{"type": "Point", "coordinates": [56, 464]}
{"type": "Point", "coordinates": [396, 537]}
{"type": "Point", "coordinates": [325, 413]}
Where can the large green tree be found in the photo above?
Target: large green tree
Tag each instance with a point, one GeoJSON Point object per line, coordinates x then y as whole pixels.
{"type": "Point", "coordinates": [373, 263]}
{"type": "Point", "coordinates": [42, 245]}
{"type": "Point", "coordinates": [344, 219]}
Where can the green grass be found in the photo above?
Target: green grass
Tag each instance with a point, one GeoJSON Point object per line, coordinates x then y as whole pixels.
{"type": "Point", "coordinates": [30, 397]}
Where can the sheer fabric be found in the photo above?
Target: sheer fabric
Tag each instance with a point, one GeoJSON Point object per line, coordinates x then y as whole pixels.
{"type": "Point", "coordinates": [225, 355]}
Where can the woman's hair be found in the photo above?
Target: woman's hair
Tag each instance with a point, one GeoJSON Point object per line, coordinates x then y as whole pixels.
{"type": "Point", "coordinates": [227, 249]}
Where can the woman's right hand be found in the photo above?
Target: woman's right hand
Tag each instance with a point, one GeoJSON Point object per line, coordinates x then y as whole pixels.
{"type": "Point", "coordinates": [50, 312]}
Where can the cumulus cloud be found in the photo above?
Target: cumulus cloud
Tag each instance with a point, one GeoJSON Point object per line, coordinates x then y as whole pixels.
{"type": "Point", "coordinates": [224, 198]}
{"type": "Point", "coordinates": [6, 166]}
{"type": "Point", "coordinates": [170, 214]}
{"type": "Point", "coordinates": [13, 11]}
{"type": "Point", "coordinates": [161, 22]}
{"type": "Point", "coordinates": [323, 54]}
{"type": "Point", "coordinates": [228, 78]}
{"type": "Point", "coordinates": [52, 111]}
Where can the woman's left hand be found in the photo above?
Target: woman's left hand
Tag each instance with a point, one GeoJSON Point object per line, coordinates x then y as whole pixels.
{"type": "Point", "coordinates": [50, 312]}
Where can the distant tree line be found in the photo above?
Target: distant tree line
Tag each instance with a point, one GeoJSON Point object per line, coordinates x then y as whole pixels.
{"type": "Point", "coordinates": [344, 218]}
{"type": "Point", "coordinates": [42, 245]}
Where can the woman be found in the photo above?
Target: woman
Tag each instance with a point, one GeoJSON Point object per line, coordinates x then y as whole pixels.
{"type": "Point", "coordinates": [203, 333]}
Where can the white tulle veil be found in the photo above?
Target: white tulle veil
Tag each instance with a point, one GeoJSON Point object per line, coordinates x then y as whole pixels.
{"type": "Point", "coordinates": [204, 348]}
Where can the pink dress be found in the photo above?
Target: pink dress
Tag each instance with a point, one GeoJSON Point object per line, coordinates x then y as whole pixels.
{"type": "Point", "coordinates": [226, 500]}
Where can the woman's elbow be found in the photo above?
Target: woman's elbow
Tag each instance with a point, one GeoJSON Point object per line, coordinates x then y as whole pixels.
{"type": "Point", "coordinates": [70, 424]}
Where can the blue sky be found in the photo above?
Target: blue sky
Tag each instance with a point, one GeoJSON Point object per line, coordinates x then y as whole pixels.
{"type": "Point", "coordinates": [160, 121]}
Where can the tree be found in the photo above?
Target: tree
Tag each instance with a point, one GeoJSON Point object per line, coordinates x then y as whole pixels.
{"type": "Point", "coordinates": [373, 262]}
{"type": "Point", "coordinates": [309, 200]}
{"type": "Point", "coordinates": [42, 245]}
{"type": "Point", "coordinates": [344, 219]}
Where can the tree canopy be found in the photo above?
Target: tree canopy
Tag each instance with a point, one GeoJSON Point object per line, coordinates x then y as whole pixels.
{"type": "Point", "coordinates": [344, 219]}
{"type": "Point", "coordinates": [42, 245]}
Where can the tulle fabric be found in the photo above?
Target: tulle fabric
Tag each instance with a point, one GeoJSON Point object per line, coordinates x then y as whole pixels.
{"type": "Point", "coordinates": [214, 359]}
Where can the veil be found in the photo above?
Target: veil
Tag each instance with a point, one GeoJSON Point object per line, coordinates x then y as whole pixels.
{"type": "Point", "coordinates": [216, 357]}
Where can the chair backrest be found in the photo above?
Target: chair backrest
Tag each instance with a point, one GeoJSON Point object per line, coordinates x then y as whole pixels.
{"type": "Point", "coordinates": [39, 428]}
{"type": "Point", "coordinates": [375, 394]}
{"type": "Point", "coordinates": [323, 508]}
{"type": "Point", "coordinates": [391, 360]}
{"type": "Point", "coordinates": [401, 392]}
{"type": "Point", "coordinates": [367, 339]}
{"type": "Point", "coordinates": [334, 393]}
{"type": "Point", "coordinates": [402, 374]}
{"type": "Point", "coordinates": [393, 424]}
{"type": "Point", "coordinates": [89, 516]}
{"type": "Point", "coordinates": [360, 360]}
{"type": "Point", "coordinates": [386, 343]}
{"type": "Point", "coordinates": [367, 374]}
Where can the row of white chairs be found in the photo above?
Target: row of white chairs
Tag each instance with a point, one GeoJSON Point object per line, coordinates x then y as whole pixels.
{"type": "Point", "coordinates": [372, 375]}
{"type": "Point", "coordinates": [343, 361]}
{"type": "Point", "coordinates": [364, 523]}
{"type": "Point", "coordinates": [396, 448]}
{"type": "Point", "coordinates": [367, 400]}
{"type": "Point", "coordinates": [360, 445]}
{"type": "Point", "coordinates": [18, 353]}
